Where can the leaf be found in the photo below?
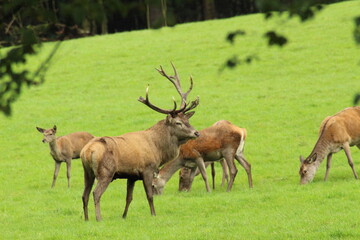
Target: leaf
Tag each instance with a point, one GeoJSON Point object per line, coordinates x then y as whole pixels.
{"type": "Point", "coordinates": [275, 39]}
{"type": "Point", "coordinates": [231, 36]}
{"type": "Point", "coordinates": [357, 30]}
{"type": "Point", "coordinates": [356, 99]}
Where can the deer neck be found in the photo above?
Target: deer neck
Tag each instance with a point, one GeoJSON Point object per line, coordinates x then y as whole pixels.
{"type": "Point", "coordinates": [163, 139]}
{"type": "Point", "coordinates": [54, 149]}
{"type": "Point", "coordinates": [170, 168]}
{"type": "Point", "coordinates": [322, 149]}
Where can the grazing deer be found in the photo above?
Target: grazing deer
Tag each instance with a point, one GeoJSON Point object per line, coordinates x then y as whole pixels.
{"type": "Point", "coordinates": [137, 155]}
{"type": "Point", "coordinates": [65, 148]}
{"type": "Point", "coordinates": [186, 178]}
{"type": "Point", "coordinates": [340, 131]}
{"type": "Point", "coordinates": [221, 140]}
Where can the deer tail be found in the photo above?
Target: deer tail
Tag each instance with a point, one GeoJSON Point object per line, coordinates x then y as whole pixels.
{"type": "Point", "coordinates": [240, 149]}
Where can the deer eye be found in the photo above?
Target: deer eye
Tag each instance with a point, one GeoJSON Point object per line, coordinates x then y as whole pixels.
{"type": "Point", "coordinates": [178, 123]}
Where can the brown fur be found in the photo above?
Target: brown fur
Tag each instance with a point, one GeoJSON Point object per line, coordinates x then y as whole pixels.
{"type": "Point", "coordinates": [134, 156]}
{"type": "Point", "coordinates": [221, 140]}
{"type": "Point", "coordinates": [65, 148]}
{"type": "Point", "coordinates": [138, 155]}
{"type": "Point", "coordinates": [340, 131]}
{"type": "Point", "coordinates": [185, 177]}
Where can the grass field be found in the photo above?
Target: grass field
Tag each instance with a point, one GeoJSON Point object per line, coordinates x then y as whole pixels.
{"type": "Point", "coordinates": [93, 85]}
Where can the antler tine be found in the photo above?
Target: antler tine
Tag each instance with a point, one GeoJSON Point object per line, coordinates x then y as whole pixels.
{"type": "Point", "coordinates": [190, 88]}
{"type": "Point", "coordinates": [176, 73]}
{"type": "Point", "coordinates": [183, 95]}
{"type": "Point", "coordinates": [153, 107]}
{"type": "Point", "coordinates": [175, 80]}
{"type": "Point", "coordinates": [193, 104]}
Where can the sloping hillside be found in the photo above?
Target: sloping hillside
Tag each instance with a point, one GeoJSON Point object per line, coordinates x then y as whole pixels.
{"type": "Point", "coordinates": [93, 85]}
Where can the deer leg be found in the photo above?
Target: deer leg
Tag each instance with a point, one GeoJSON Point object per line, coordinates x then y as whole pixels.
{"type": "Point", "coordinates": [247, 166]}
{"type": "Point", "coordinates": [56, 173]}
{"type": "Point", "coordinates": [328, 165]}
{"type": "Point", "coordinates": [213, 174]}
{"type": "Point", "coordinates": [100, 188]}
{"type": "Point", "coordinates": [229, 157]}
{"type": "Point", "coordinates": [129, 195]}
{"type": "Point", "coordinates": [68, 170]}
{"type": "Point", "coordinates": [225, 176]}
{"type": "Point", "coordinates": [192, 176]}
{"type": "Point", "coordinates": [201, 165]}
{"type": "Point", "coordinates": [89, 181]}
{"type": "Point", "coordinates": [148, 176]}
{"type": "Point", "coordinates": [350, 161]}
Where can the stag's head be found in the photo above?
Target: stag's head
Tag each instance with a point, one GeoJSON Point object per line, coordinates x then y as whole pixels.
{"type": "Point", "coordinates": [177, 119]}
{"type": "Point", "coordinates": [49, 134]}
{"type": "Point", "coordinates": [308, 168]}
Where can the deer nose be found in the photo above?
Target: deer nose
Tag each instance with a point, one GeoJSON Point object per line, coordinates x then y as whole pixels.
{"type": "Point", "coordinates": [197, 134]}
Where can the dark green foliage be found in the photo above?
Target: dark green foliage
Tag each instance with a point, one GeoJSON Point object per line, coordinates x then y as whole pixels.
{"type": "Point", "coordinates": [357, 30]}
{"type": "Point", "coordinates": [304, 9]}
{"type": "Point", "coordinates": [356, 99]}
{"type": "Point", "coordinates": [27, 23]}
{"type": "Point", "coordinates": [235, 60]}
{"type": "Point", "coordinates": [231, 36]}
{"type": "Point", "coordinates": [11, 80]}
{"type": "Point", "coordinates": [275, 39]}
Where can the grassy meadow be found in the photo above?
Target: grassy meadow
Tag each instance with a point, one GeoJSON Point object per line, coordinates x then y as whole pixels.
{"type": "Point", "coordinates": [93, 85]}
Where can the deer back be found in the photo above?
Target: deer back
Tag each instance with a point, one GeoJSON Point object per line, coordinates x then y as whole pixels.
{"type": "Point", "coordinates": [136, 151]}
{"type": "Point", "coordinates": [73, 143]}
{"type": "Point", "coordinates": [220, 135]}
{"type": "Point", "coordinates": [343, 127]}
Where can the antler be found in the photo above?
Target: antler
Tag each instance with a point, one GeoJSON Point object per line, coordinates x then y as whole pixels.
{"type": "Point", "coordinates": [175, 80]}
{"type": "Point", "coordinates": [153, 107]}
{"type": "Point", "coordinates": [192, 105]}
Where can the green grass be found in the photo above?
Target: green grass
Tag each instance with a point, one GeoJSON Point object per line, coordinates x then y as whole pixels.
{"type": "Point", "coordinates": [93, 85]}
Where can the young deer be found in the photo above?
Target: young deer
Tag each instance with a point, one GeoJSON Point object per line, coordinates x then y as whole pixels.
{"type": "Point", "coordinates": [65, 148]}
{"type": "Point", "coordinates": [221, 140]}
{"type": "Point", "coordinates": [137, 155]}
{"type": "Point", "coordinates": [340, 131]}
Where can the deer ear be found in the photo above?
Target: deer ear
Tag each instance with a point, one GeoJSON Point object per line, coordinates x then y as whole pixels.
{"type": "Point", "coordinates": [54, 128]}
{"type": "Point", "coordinates": [302, 159]}
{"type": "Point", "coordinates": [40, 129]}
{"type": "Point", "coordinates": [189, 114]}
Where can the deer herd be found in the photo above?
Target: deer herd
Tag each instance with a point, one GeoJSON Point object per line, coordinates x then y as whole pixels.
{"type": "Point", "coordinates": [174, 144]}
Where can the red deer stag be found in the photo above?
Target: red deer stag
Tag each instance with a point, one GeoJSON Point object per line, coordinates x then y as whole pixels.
{"type": "Point", "coordinates": [186, 178]}
{"type": "Point", "coordinates": [221, 140]}
{"type": "Point", "coordinates": [65, 148]}
{"type": "Point", "coordinates": [137, 155]}
{"type": "Point", "coordinates": [340, 131]}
